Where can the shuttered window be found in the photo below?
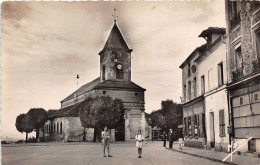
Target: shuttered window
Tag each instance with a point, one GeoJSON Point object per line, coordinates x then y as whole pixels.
{"type": "Point", "coordinates": [221, 123]}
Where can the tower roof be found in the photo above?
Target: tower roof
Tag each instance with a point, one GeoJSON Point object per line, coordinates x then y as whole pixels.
{"type": "Point", "coordinates": [115, 41]}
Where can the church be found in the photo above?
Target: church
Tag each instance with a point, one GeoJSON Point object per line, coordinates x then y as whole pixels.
{"type": "Point", "coordinates": [114, 81]}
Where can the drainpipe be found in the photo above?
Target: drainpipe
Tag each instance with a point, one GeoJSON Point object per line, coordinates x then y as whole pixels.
{"type": "Point", "coordinates": [230, 115]}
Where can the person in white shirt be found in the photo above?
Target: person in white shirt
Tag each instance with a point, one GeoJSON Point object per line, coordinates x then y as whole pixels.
{"type": "Point", "coordinates": [139, 143]}
{"type": "Point", "coordinates": [106, 141]}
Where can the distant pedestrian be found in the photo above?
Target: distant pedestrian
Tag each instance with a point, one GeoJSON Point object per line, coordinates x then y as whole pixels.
{"type": "Point", "coordinates": [106, 142]}
{"type": "Point", "coordinates": [171, 136]}
{"type": "Point", "coordinates": [139, 143]}
{"type": "Point", "coordinates": [164, 138]}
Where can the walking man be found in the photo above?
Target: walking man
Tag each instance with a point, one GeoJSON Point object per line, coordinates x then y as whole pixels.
{"type": "Point", "coordinates": [106, 141]}
{"type": "Point", "coordinates": [164, 138]}
{"type": "Point", "coordinates": [170, 138]}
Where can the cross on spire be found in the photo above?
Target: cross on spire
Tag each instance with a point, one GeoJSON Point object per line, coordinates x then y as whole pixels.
{"type": "Point", "coordinates": [114, 15]}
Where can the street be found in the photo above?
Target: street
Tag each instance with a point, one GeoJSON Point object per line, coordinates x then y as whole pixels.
{"type": "Point", "coordinates": [125, 153]}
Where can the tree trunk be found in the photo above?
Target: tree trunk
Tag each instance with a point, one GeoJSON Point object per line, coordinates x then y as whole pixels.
{"type": "Point", "coordinates": [95, 135]}
{"type": "Point", "coordinates": [43, 134]}
{"type": "Point", "coordinates": [84, 134]}
{"type": "Point", "coordinates": [37, 135]}
{"type": "Point", "coordinates": [26, 139]}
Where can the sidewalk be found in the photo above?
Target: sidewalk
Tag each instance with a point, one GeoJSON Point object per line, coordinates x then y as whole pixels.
{"type": "Point", "coordinates": [217, 156]}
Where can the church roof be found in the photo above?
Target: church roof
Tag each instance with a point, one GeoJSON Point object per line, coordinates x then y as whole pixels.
{"type": "Point", "coordinates": [51, 111]}
{"type": "Point", "coordinates": [70, 111]}
{"type": "Point", "coordinates": [115, 41]}
{"type": "Point", "coordinates": [111, 84]}
{"type": "Point", "coordinates": [84, 88]}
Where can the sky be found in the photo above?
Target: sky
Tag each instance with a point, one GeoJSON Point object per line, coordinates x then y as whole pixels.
{"type": "Point", "coordinates": [46, 44]}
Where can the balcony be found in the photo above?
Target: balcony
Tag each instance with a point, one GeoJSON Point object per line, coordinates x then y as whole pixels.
{"type": "Point", "coordinates": [237, 74]}
{"type": "Point", "coordinates": [256, 65]}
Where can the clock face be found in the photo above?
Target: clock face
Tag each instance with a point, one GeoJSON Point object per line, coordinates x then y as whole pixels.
{"type": "Point", "coordinates": [119, 66]}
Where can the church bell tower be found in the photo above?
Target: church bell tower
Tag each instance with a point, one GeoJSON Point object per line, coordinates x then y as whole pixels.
{"type": "Point", "coordinates": [115, 58]}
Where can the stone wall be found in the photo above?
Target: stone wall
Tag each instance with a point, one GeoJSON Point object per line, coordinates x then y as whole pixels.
{"type": "Point", "coordinates": [244, 34]}
{"type": "Point", "coordinates": [66, 129]}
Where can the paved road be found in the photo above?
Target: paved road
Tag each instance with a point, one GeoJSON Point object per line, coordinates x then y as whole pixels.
{"type": "Point", "coordinates": [91, 153]}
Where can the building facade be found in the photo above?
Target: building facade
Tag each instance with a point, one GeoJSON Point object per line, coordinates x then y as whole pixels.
{"type": "Point", "coordinates": [194, 130]}
{"type": "Point", "coordinates": [114, 81]}
{"type": "Point", "coordinates": [243, 31]}
{"type": "Point", "coordinates": [212, 85]}
{"type": "Point", "coordinates": [205, 108]}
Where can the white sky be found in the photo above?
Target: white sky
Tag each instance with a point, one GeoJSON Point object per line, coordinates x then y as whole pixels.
{"type": "Point", "coordinates": [45, 44]}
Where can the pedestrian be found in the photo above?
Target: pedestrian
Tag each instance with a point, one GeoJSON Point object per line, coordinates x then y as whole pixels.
{"type": "Point", "coordinates": [171, 136]}
{"type": "Point", "coordinates": [164, 138]}
{"type": "Point", "coordinates": [106, 142]}
{"type": "Point", "coordinates": [139, 143]}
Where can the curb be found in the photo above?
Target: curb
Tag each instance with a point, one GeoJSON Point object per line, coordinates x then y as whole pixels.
{"type": "Point", "coordinates": [204, 157]}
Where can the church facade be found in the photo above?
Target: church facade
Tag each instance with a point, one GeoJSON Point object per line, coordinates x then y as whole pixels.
{"type": "Point", "coordinates": [114, 81]}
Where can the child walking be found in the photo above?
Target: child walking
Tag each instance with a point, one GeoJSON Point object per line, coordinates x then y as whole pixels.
{"type": "Point", "coordinates": [139, 143]}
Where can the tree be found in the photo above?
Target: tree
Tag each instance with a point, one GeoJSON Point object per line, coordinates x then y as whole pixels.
{"type": "Point", "coordinates": [169, 116]}
{"type": "Point", "coordinates": [39, 117]}
{"type": "Point", "coordinates": [24, 123]}
{"type": "Point", "coordinates": [157, 119]}
{"type": "Point", "coordinates": [173, 113]}
{"type": "Point", "coordinates": [101, 111]}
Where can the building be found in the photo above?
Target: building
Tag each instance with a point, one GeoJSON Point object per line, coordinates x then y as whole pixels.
{"type": "Point", "coordinates": [212, 85]}
{"type": "Point", "coordinates": [243, 31]}
{"type": "Point", "coordinates": [114, 81]}
{"type": "Point", "coordinates": [205, 108]}
{"type": "Point", "coordinates": [194, 130]}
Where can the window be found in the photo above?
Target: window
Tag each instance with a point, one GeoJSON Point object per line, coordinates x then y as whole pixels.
{"type": "Point", "coordinates": [184, 126]}
{"type": "Point", "coordinates": [57, 127]}
{"type": "Point", "coordinates": [189, 126]}
{"type": "Point", "coordinates": [188, 69]}
{"type": "Point", "coordinates": [189, 90]}
{"type": "Point", "coordinates": [256, 97]}
{"type": "Point", "coordinates": [184, 91]}
{"type": "Point", "coordinates": [202, 85]}
{"type": "Point", "coordinates": [104, 92]}
{"type": "Point", "coordinates": [210, 79]}
{"type": "Point", "coordinates": [195, 87]}
{"type": "Point", "coordinates": [60, 127]}
{"type": "Point", "coordinates": [195, 125]}
{"type": "Point", "coordinates": [103, 72]}
{"type": "Point", "coordinates": [241, 101]}
{"type": "Point", "coordinates": [234, 8]}
{"type": "Point", "coordinates": [54, 127]}
{"type": "Point", "coordinates": [220, 74]}
{"type": "Point", "coordinates": [257, 41]}
{"type": "Point", "coordinates": [238, 57]}
{"type": "Point", "coordinates": [221, 123]}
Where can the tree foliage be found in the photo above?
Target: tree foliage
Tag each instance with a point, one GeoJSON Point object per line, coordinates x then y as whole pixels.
{"type": "Point", "coordinates": [101, 111]}
{"type": "Point", "coordinates": [39, 117]}
{"type": "Point", "coordinates": [24, 123]}
{"type": "Point", "coordinates": [170, 115]}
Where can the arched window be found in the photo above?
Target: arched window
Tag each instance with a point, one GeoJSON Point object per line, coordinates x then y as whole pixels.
{"type": "Point", "coordinates": [60, 127]}
{"type": "Point", "coordinates": [103, 72]}
{"type": "Point", "coordinates": [54, 127]}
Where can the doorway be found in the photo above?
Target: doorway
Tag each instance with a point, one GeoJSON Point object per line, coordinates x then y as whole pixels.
{"type": "Point", "coordinates": [212, 130]}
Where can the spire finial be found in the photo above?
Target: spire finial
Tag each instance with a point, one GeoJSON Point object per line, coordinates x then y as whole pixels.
{"type": "Point", "coordinates": [114, 15]}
